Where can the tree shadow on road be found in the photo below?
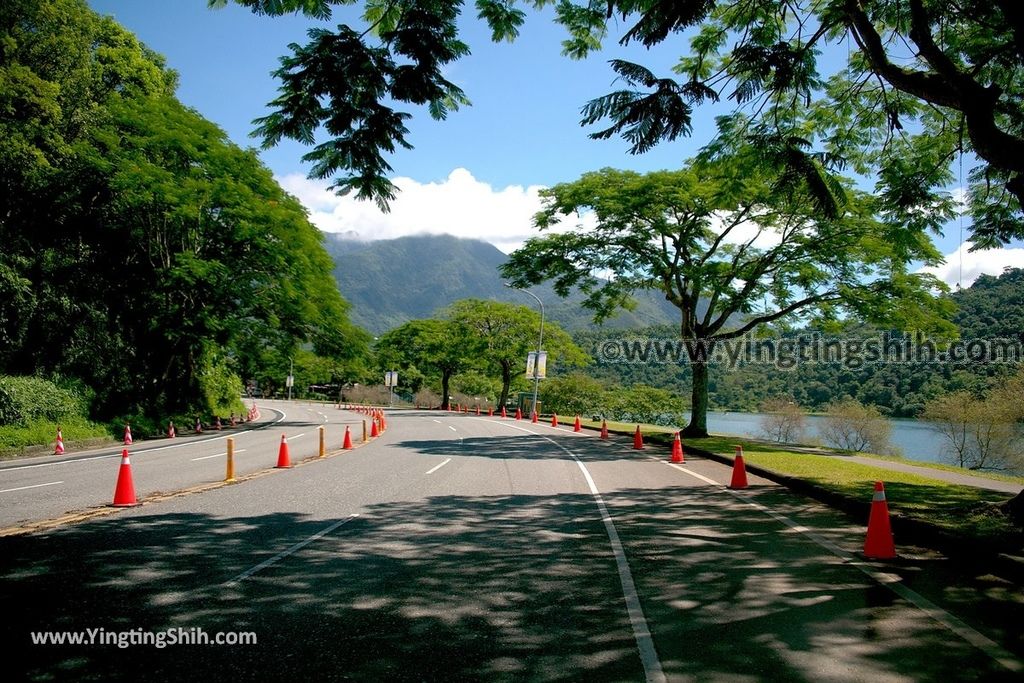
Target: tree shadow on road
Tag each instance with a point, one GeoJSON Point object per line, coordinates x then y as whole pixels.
{"type": "Point", "coordinates": [464, 588]}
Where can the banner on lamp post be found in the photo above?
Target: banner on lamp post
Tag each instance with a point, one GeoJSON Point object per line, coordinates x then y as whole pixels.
{"type": "Point", "coordinates": [539, 364]}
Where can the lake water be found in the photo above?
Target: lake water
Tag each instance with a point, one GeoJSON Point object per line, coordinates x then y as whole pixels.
{"type": "Point", "coordinates": [915, 439]}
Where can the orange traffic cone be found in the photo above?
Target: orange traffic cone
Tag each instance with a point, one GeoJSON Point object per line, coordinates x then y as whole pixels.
{"type": "Point", "coordinates": [519, 413]}
{"type": "Point", "coordinates": [478, 410]}
{"type": "Point", "coordinates": [604, 429]}
{"type": "Point", "coordinates": [576, 426]}
{"type": "Point", "coordinates": [124, 492]}
{"type": "Point", "coordinates": [533, 417]}
{"type": "Point", "coordinates": [554, 420]}
{"type": "Point", "coordinates": [127, 434]}
{"type": "Point", "coordinates": [879, 544]}
{"type": "Point", "coordinates": [347, 444]}
{"type": "Point", "coordinates": [373, 428]}
{"type": "Point", "coordinates": [490, 412]}
{"type": "Point", "coordinates": [283, 459]}
{"type": "Point", "coordinates": [218, 425]}
{"type": "Point", "coordinates": [638, 440]}
{"type": "Point", "coordinates": [59, 448]}
{"type": "Point", "coordinates": [677, 450]}
{"type": "Point", "coordinates": [503, 413]}
{"type": "Point", "coordinates": [171, 433]}
{"type": "Point", "coordinates": [739, 471]}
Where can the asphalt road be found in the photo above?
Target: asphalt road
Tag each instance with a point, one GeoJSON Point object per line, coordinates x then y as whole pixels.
{"type": "Point", "coordinates": [42, 488]}
{"type": "Point", "coordinates": [463, 548]}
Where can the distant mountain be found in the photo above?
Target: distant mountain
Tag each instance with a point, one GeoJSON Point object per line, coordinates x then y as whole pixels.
{"type": "Point", "coordinates": [389, 282]}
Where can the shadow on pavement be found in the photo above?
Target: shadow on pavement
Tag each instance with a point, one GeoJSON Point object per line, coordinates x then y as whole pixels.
{"type": "Point", "coordinates": [462, 588]}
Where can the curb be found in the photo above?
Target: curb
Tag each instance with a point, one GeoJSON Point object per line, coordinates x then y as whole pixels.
{"type": "Point", "coordinates": [1000, 558]}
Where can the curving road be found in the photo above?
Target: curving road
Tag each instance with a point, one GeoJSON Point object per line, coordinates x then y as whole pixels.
{"type": "Point", "coordinates": [463, 548]}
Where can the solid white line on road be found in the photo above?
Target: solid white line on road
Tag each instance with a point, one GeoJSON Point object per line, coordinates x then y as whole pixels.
{"type": "Point", "coordinates": [218, 455]}
{"type": "Point", "coordinates": [950, 622]}
{"type": "Point", "coordinates": [435, 469]}
{"type": "Point", "coordinates": [641, 632]}
{"type": "Point", "coordinates": [34, 486]}
{"type": "Point", "coordinates": [285, 553]}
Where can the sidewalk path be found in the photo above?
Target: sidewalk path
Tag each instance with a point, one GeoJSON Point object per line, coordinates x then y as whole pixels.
{"type": "Point", "coordinates": [963, 479]}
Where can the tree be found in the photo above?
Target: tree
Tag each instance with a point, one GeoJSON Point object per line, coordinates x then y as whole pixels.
{"type": "Point", "coordinates": [925, 80]}
{"type": "Point", "coordinates": [982, 432]}
{"type": "Point", "coordinates": [439, 346]}
{"type": "Point", "coordinates": [574, 394]}
{"type": "Point", "coordinates": [143, 252]}
{"type": "Point", "coordinates": [730, 248]}
{"type": "Point", "coordinates": [852, 426]}
{"type": "Point", "coordinates": [784, 421]}
{"type": "Point", "coordinates": [507, 332]}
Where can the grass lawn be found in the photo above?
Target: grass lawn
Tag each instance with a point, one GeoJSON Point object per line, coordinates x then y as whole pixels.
{"type": "Point", "coordinates": [960, 510]}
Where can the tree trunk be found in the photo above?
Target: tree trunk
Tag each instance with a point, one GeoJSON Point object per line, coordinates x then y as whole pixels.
{"type": "Point", "coordinates": [445, 378]}
{"type": "Point", "coordinates": [698, 427]}
{"type": "Point", "coordinates": [1015, 509]}
{"type": "Point", "coordinates": [506, 382]}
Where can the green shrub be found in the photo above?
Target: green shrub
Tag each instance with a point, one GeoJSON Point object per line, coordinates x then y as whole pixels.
{"type": "Point", "coordinates": [25, 400]}
{"type": "Point", "coordinates": [41, 432]}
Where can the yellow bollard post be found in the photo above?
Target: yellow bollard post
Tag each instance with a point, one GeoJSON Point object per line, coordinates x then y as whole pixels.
{"type": "Point", "coordinates": [230, 475]}
{"type": "Point", "coordinates": [323, 444]}
{"type": "Point", "coordinates": [365, 438]}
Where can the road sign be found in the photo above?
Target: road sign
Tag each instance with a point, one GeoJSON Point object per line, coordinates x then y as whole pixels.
{"type": "Point", "coordinates": [391, 378]}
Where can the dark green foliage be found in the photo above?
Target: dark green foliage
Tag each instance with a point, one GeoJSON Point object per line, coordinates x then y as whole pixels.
{"type": "Point", "coordinates": [143, 252]}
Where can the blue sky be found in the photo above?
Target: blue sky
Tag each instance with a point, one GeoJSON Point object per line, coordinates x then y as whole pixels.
{"type": "Point", "coordinates": [474, 175]}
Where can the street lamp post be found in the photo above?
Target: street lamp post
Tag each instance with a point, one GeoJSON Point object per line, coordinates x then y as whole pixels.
{"type": "Point", "coordinates": [540, 343]}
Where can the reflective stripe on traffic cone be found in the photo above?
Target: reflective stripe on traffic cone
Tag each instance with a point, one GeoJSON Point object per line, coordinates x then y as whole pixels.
{"type": "Point", "coordinates": [124, 492]}
{"type": "Point", "coordinates": [879, 543]}
{"type": "Point", "coordinates": [283, 458]}
{"type": "Point", "coordinates": [739, 471]}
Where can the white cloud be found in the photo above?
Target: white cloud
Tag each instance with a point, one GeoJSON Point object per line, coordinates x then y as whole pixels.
{"type": "Point", "coordinates": [973, 264]}
{"type": "Point", "coordinates": [460, 205]}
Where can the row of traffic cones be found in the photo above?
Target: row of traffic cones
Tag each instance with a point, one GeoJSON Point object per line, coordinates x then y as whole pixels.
{"type": "Point", "coordinates": [878, 543]}
{"type": "Point", "coordinates": [124, 490]}
{"type": "Point", "coordinates": [172, 432]}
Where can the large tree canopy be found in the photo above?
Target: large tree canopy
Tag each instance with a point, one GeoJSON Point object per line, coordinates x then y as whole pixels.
{"type": "Point", "coordinates": [894, 89]}
{"type": "Point", "coordinates": [732, 248]}
{"type": "Point", "coordinates": [500, 335]}
{"type": "Point", "coordinates": [143, 252]}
